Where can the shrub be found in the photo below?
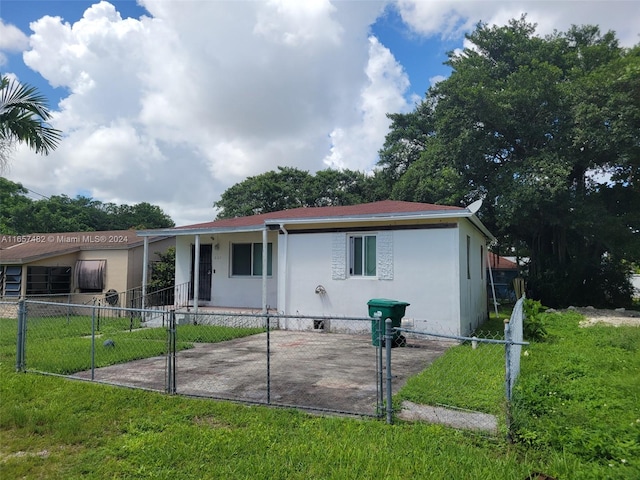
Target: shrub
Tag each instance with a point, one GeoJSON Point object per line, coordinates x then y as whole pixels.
{"type": "Point", "coordinates": [534, 328]}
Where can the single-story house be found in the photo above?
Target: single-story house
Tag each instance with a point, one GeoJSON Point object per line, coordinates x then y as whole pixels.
{"type": "Point", "coordinates": [76, 266]}
{"type": "Point", "coordinates": [330, 261]}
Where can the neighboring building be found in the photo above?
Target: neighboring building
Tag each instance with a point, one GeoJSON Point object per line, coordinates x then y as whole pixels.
{"type": "Point", "coordinates": [330, 261]}
{"type": "Point", "coordinates": [635, 282]}
{"type": "Point", "coordinates": [503, 271]}
{"type": "Point", "coordinates": [74, 266]}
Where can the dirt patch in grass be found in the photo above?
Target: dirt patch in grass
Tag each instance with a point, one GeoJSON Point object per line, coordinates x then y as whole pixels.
{"type": "Point", "coordinates": [617, 317]}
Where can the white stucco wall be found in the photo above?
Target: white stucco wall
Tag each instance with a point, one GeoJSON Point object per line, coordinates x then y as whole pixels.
{"type": "Point", "coordinates": [227, 290]}
{"type": "Point", "coordinates": [424, 273]}
{"type": "Point", "coordinates": [473, 298]}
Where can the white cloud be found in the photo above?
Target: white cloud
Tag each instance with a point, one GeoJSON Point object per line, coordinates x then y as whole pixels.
{"type": "Point", "coordinates": [177, 106]}
{"type": "Point", "coordinates": [384, 93]}
{"type": "Point", "coordinates": [296, 23]}
{"type": "Point", "coordinates": [436, 79]}
{"type": "Point", "coordinates": [11, 40]}
{"type": "Point", "coordinates": [451, 18]}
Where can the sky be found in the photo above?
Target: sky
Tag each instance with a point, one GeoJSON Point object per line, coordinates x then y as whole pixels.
{"type": "Point", "coordinates": [171, 102]}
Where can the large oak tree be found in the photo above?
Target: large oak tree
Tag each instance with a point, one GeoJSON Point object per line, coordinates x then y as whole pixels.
{"type": "Point", "coordinates": [547, 131]}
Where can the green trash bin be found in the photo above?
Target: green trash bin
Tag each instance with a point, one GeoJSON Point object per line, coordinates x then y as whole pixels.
{"type": "Point", "coordinates": [380, 309]}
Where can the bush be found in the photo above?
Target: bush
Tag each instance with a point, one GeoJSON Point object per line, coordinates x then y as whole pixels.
{"type": "Point", "coordinates": [534, 328]}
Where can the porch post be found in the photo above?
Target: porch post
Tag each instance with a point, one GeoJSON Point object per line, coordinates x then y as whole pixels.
{"type": "Point", "coordinates": [196, 274]}
{"type": "Point", "coordinates": [264, 269]}
{"type": "Point", "coordinates": [145, 269]}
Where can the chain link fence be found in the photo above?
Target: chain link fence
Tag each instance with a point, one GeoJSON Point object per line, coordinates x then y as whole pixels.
{"type": "Point", "coordinates": [470, 385]}
{"type": "Point", "coordinates": [338, 365]}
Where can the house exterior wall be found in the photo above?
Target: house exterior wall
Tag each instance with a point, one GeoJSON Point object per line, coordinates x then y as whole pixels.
{"type": "Point", "coordinates": [123, 267]}
{"type": "Point", "coordinates": [116, 267]}
{"type": "Point", "coordinates": [228, 290]}
{"type": "Point", "coordinates": [423, 271]}
{"type": "Point", "coordinates": [67, 260]}
{"type": "Point", "coordinates": [473, 282]}
{"type": "Point", "coordinates": [136, 260]}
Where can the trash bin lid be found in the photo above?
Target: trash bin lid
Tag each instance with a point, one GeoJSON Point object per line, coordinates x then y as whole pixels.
{"type": "Point", "coordinates": [386, 302]}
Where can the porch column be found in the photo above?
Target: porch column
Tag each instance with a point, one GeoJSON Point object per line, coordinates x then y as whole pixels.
{"type": "Point", "coordinates": [196, 274]}
{"type": "Point", "coordinates": [145, 269]}
{"type": "Point", "coordinates": [264, 269]}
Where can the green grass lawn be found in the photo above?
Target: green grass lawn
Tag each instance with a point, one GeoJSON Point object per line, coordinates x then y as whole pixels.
{"type": "Point", "coordinates": [577, 418]}
{"type": "Point", "coordinates": [63, 344]}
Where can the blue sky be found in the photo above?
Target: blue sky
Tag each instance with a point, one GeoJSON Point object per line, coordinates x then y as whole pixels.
{"type": "Point", "coordinates": [172, 102]}
{"type": "Point", "coordinates": [422, 57]}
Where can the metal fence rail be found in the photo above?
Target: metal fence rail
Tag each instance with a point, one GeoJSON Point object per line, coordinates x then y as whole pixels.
{"type": "Point", "coordinates": [324, 364]}
{"type": "Point", "coordinates": [474, 363]}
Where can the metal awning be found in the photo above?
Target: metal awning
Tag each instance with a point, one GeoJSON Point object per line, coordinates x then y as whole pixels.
{"type": "Point", "coordinates": [90, 274]}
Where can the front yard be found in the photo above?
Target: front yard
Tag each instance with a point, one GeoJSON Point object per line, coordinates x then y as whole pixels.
{"type": "Point", "coordinates": [577, 415]}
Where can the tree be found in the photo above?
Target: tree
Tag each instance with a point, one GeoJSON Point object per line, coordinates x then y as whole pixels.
{"type": "Point", "coordinates": [292, 188]}
{"type": "Point", "coordinates": [13, 204]}
{"type": "Point", "coordinates": [163, 270]}
{"type": "Point", "coordinates": [23, 118]}
{"type": "Point", "coordinates": [547, 130]}
{"type": "Point", "coordinates": [20, 215]}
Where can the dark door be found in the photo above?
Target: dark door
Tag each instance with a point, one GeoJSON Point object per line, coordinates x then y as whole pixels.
{"type": "Point", "coordinates": [204, 277]}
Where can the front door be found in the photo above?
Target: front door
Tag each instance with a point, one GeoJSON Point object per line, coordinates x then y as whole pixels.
{"type": "Point", "coordinates": [204, 277]}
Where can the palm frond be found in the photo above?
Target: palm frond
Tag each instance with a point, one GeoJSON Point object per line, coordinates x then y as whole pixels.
{"type": "Point", "coordinates": [23, 117]}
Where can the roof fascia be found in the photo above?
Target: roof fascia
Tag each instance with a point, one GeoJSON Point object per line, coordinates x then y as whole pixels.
{"type": "Point", "coordinates": [367, 217]}
{"type": "Point", "coordinates": [201, 231]}
{"type": "Point", "coordinates": [425, 215]}
{"type": "Point", "coordinates": [386, 217]}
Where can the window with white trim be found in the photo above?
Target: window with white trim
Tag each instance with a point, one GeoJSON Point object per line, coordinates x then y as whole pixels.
{"type": "Point", "coordinates": [246, 259]}
{"type": "Point", "coordinates": [362, 255]}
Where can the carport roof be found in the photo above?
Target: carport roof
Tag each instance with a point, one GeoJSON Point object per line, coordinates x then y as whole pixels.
{"type": "Point", "coordinates": [391, 209]}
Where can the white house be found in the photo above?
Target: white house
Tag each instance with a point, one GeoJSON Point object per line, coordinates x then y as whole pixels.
{"type": "Point", "coordinates": [330, 261]}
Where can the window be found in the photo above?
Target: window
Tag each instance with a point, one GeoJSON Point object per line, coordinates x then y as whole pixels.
{"type": "Point", "coordinates": [12, 279]}
{"type": "Point", "coordinates": [90, 275]}
{"type": "Point", "coordinates": [362, 255]}
{"type": "Point", "coordinates": [468, 257]}
{"type": "Point", "coordinates": [246, 259]}
{"type": "Point", "coordinates": [48, 280]}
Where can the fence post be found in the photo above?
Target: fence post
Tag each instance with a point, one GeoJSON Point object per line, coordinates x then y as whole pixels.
{"type": "Point", "coordinates": [268, 359]}
{"type": "Point", "coordinates": [378, 334]}
{"type": "Point", "coordinates": [507, 376]}
{"type": "Point", "coordinates": [171, 354]}
{"type": "Point", "coordinates": [22, 334]}
{"type": "Point", "coordinates": [93, 341]}
{"type": "Point", "coordinates": [388, 339]}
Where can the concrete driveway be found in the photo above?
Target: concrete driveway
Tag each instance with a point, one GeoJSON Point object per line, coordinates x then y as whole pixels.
{"type": "Point", "coordinates": [325, 371]}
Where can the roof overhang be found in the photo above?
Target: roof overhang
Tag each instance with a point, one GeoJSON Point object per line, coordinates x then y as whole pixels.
{"type": "Point", "coordinates": [284, 222]}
